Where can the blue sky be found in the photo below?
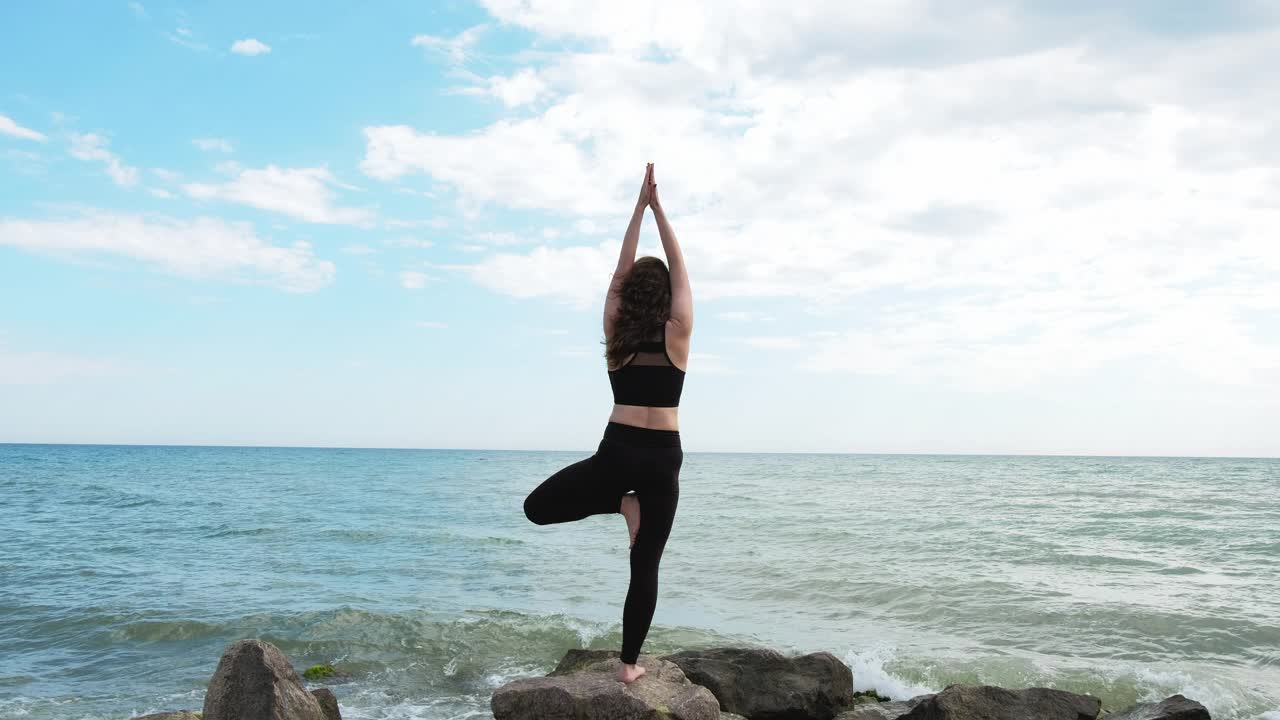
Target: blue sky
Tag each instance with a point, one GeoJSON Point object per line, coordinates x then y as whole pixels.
{"type": "Point", "coordinates": [916, 226]}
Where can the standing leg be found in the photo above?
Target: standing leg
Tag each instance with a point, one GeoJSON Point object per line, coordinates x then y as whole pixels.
{"type": "Point", "coordinates": [658, 501]}
{"type": "Point", "coordinates": [587, 487]}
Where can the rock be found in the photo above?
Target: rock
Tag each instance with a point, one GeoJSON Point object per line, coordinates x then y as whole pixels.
{"type": "Point", "coordinates": [875, 711]}
{"type": "Point", "coordinates": [1174, 707]}
{"type": "Point", "coordinates": [583, 686]}
{"type": "Point", "coordinates": [730, 716]}
{"type": "Point", "coordinates": [254, 681]}
{"type": "Point", "coordinates": [175, 715]}
{"type": "Point", "coordinates": [764, 684]}
{"type": "Point", "coordinates": [328, 703]}
{"type": "Point", "coordinates": [869, 696]}
{"type": "Point", "coordinates": [578, 658]}
{"type": "Point", "coordinates": [882, 711]}
{"type": "Point", "coordinates": [990, 702]}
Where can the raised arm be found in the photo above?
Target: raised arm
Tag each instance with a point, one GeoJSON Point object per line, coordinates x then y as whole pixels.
{"type": "Point", "coordinates": [681, 295]}
{"type": "Point", "coordinates": [626, 256]}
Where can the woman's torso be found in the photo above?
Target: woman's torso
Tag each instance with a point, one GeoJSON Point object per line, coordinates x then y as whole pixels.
{"type": "Point", "coordinates": [656, 418]}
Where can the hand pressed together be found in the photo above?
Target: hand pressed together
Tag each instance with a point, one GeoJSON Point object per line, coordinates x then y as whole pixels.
{"type": "Point", "coordinates": [648, 190]}
{"type": "Point", "coordinates": [646, 187]}
{"type": "Point", "coordinates": [653, 190]}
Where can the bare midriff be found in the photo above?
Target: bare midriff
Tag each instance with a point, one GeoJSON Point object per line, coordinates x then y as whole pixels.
{"type": "Point", "coordinates": [654, 418]}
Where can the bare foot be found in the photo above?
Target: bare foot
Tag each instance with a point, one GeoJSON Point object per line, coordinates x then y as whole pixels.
{"type": "Point", "coordinates": [630, 508]}
{"type": "Point", "coordinates": [630, 673]}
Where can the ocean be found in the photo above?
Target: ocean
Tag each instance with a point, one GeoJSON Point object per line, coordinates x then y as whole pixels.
{"type": "Point", "coordinates": [125, 571]}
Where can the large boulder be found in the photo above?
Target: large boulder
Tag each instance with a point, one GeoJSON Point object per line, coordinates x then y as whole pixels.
{"type": "Point", "coordinates": [764, 684]}
{"type": "Point", "coordinates": [578, 659]}
{"type": "Point", "coordinates": [1174, 707]}
{"type": "Point", "coordinates": [584, 686]}
{"type": "Point", "coordinates": [328, 703]}
{"type": "Point", "coordinates": [254, 681]}
{"type": "Point", "coordinates": [882, 710]}
{"type": "Point", "coordinates": [175, 715]}
{"type": "Point", "coordinates": [991, 702]}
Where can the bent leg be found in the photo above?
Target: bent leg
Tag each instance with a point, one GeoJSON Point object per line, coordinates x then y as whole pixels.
{"type": "Point", "coordinates": [657, 513]}
{"type": "Point", "coordinates": [587, 487]}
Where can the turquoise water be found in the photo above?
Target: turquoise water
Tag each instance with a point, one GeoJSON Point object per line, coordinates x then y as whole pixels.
{"type": "Point", "coordinates": [124, 572]}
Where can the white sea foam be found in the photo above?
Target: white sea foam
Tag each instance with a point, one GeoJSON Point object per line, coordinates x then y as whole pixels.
{"type": "Point", "coordinates": [869, 673]}
{"type": "Point", "coordinates": [587, 631]}
{"type": "Point", "coordinates": [1222, 697]}
{"type": "Point", "coordinates": [375, 705]}
{"type": "Point", "coordinates": [504, 674]}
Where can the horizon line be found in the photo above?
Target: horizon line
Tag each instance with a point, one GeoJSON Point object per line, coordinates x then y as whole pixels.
{"type": "Point", "coordinates": [719, 452]}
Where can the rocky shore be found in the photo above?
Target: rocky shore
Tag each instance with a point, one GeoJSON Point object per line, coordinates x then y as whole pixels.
{"type": "Point", "coordinates": [254, 681]}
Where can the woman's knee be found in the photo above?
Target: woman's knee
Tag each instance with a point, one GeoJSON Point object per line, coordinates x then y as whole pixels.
{"type": "Point", "coordinates": [533, 510]}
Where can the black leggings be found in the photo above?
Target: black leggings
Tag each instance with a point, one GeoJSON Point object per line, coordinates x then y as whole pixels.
{"type": "Point", "coordinates": [629, 458]}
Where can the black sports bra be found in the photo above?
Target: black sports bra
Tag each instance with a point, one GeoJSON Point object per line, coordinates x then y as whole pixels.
{"type": "Point", "coordinates": [649, 378]}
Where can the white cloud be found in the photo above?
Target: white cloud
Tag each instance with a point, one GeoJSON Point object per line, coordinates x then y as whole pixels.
{"type": "Point", "coordinates": [358, 249]}
{"type": "Point", "coordinates": [394, 151]}
{"type": "Point", "coordinates": [11, 128]}
{"type": "Point", "coordinates": [490, 237]}
{"type": "Point", "coordinates": [200, 248]}
{"type": "Point", "coordinates": [456, 49]}
{"type": "Point", "coordinates": [722, 31]}
{"type": "Point", "coordinates": [184, 37]}
{"type": "Point", "coordinates": [709, 364]}
{"type": "Point", "coordinates": [777, 342]}
{"type": "Point", "coordinates": [577, 276]}
{"type": "Point", "coordinates": [250, 46]}
{"type": "Point", "coordinates": [413, 280]}
{"type": "Point", "coordinates": [1034, 164]}
{"type": "Point", "coordinates": [409, 242]}
{"type": "Point", "coordinates": [138, 9]}
{"type": "Point", "coordinates": [160, 193]}
{"type": "Point", "coordinates": [437, 222]}
{"type": "Point", "coordinates": [303, 193]}
{"type": "Point", "coordinates": [520, 88]}
{"type": "Point", "coordinates": [213, 144]}
{"type": "Point", "coordinates": [93, 148]}
{"type": "Point", "coordinates": [1190, 336]}
{"type": "Point", "coordinates": [26, 161]}
{"type": "Point", "coordinates": [744, 316]}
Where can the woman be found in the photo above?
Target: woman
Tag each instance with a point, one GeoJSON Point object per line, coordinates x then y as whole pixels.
{"type": "Point", "coordinates": [648, 318]}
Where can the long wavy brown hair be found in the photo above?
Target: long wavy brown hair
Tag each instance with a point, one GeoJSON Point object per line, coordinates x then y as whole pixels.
{"type": "Point", "coordinates": [644, 308]}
